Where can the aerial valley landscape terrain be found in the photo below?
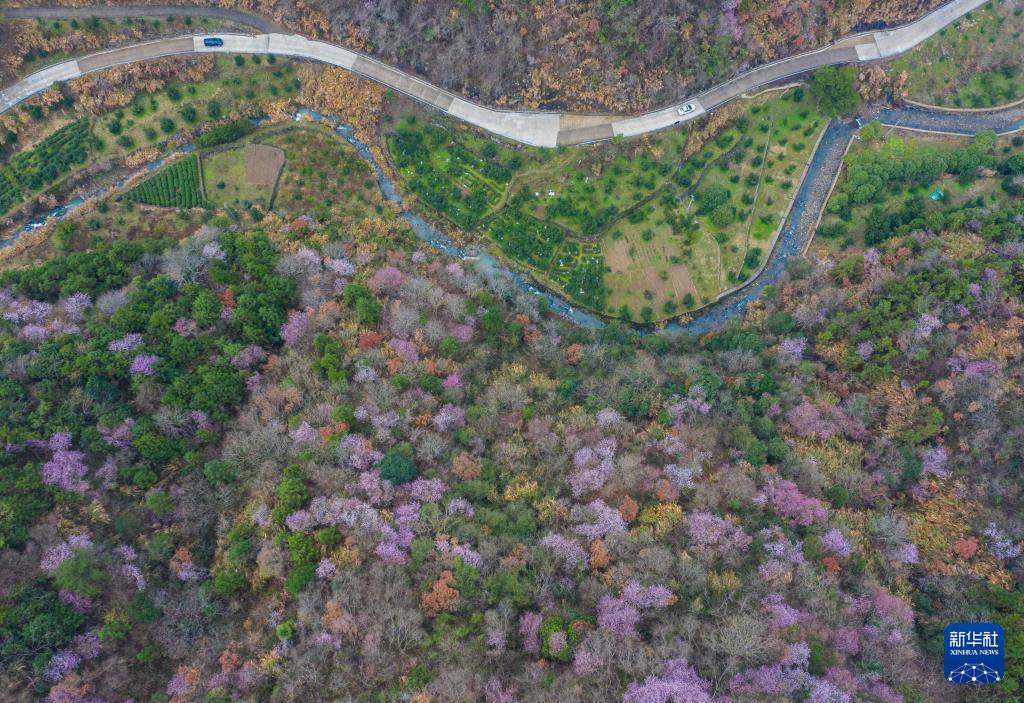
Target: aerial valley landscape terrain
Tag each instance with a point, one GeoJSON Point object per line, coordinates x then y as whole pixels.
{"type": "Point", "coordinates": [639, 351]}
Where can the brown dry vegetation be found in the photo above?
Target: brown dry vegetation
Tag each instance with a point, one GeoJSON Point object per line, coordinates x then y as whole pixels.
{"type": "Point", "coordinates": [337, 92]}
{"type": "Point", "coordinates": [595, 55]}
{"type": "Point", "coordinates": [115, 87]}
{"type": "Point", "coordinates": [583, 55]}
{"type": "Point", "coordinates": [262, 164]}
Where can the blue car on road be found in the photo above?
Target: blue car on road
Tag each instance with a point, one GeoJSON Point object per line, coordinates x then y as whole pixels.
{"type": "Point", "coordinates": [213, 41]}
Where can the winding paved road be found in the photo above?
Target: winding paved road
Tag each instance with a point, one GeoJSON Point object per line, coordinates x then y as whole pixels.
{"type": "Point", "coordinates": [545, 129]}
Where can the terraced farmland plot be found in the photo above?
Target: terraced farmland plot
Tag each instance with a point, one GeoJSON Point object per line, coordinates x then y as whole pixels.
{"type": "Point", "coordinates": [895, 184]}
{"type": "Point", "coordinates": [588, 197]}
{"type": "Point", "coordinates": [975, 63]}
{"type": "Point", "coordinates": [682, 249]}
{"type": "Point", "coordinates": [324, 176]}
{"type": "Point", "coordinates": [242, 177]}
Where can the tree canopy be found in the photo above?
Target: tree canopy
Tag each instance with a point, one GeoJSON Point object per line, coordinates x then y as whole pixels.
{"type": "Point", "coordinates": [835, 89]}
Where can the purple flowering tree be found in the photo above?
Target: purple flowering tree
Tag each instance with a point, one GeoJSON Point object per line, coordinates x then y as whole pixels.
{"type": "Point", "coordinates": [791, 351]}
{"type": "Point", "coordinates": [775, 681]}
{"type": "Point", "coordinates": [326, 569]}
{"type": "Point", "coordinates": [405, 350]}
{"type": "Point", "coordinates": [55, 556]}
{"type": "Point", "coordinates": [782, 614]}
{"type": "Point", "coordinates": [592, 465]}
{"type": "Point", "coordinates": [715, 537]}
{"type": "Point", "coordinates": [66, 468]}
{"type": "Point", "coordinates": [213, 252]}
{"type": "Point", "coordinates": [304, 434]}
{"type": "Point", "coordinates": [618, 617]}
{"type": "Point", "coordinates": [569, 551]}
{"type": "Point", "coordinates": [529, 631]}
{"type": "Point", "coordinates": [585, 662]}
{"type": "Point", "coordinates": [426, 490]}
{"type": "Point", "coordinates": [449, 417]}
{"type": "Point", "coordinates": [597, 520]}
{"type": "Point", "coordinates": [678, 683]}
{"type": "Point", "coordinates": [61, 664]}
{"type": "Point", "coordinates": [608, 417]}
{"type": "Point", "coordinates": [656, 596]}
{"type": "Point", "coordinates": [621, 616]}
{"type": "Point", "coordinates": [934, 460]}
{"type": "Point", "coordinates": [459, 506]}
{"type": "Point", "coordinates": [795, 506]}
{"type": "Point", "coordinates": [387, 279]}
{"type": "Point", "coordinates": [142, 365]}
{"type": "Point", "coordinates": [125, 343]}
{"type": "Point", "coordinates": [835, 542]}
{"type": "Point", "coordinates": [728, 24]}
{"type": "Point", "coordinates": [1000, 543]}
{"type": "Point", "coordinates": [468, 556]}
{"type": "Point", "coordinates": [294, 328]}
{"type": "Point", "coordinates": [496, 692]}
{"type": "Point", "coordinates": [186, 327]}
{"type": "Point", "coordinates": [248, 357]}
{"type": "Point", "coordinates": [74, 306]}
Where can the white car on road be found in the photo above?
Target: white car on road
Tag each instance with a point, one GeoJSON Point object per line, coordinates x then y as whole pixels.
{"type": "Point", "coordinates": [686, 109]}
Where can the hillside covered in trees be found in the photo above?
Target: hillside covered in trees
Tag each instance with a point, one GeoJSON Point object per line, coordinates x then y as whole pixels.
{"type": "Point", "coordinates": [244, 467]}
{"type": "Point", "coordinates": [281, 449]}
{"type": "Point", "coordinates": [597, 54]}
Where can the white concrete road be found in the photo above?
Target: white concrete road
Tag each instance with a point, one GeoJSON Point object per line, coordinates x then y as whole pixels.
{"type": "Point", "coordinates": [40, 80]}
{"type": "Point", "coordinates": [897, 41]}
{"type": "Point", "coordinates": [545, 129]}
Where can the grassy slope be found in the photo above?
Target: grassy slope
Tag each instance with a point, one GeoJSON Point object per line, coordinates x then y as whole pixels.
{"type": "Point", "coordinates": [975, 63]}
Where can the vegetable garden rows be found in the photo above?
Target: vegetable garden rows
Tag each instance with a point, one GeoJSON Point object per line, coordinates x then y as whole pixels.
{"type": "Point", "coordinates": [175, 186]}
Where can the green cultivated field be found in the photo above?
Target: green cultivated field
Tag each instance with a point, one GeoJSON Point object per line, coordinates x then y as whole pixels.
{"type": "Point", "coordinates": [224, 177]}
{"type": "Point", "coordinates": [230, 88]}
{"type": "Point", "coordinates": [447, 174]}
{"type": "Point", "coordinates": [176, 185]}
{"type": "Point", "coordinates": [47, 162]}
{"type": "Point", "coordinates": [634, 229]}
{"type": "Point", "coordinates": [324, 176]}
{"type": "Point", "coordinates": [71, 143]}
